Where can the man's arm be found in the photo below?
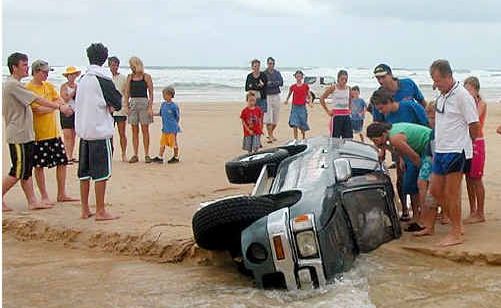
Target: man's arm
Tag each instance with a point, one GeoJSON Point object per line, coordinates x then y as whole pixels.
{"type": "Point", "coordinates": [418, 95]}
{"type": "Point", "coordinates": [111, 95]}
{"type": "Point", "coordinates": [44, 109]}
{"type": "Point", "coordinates": [280, 79]}
{"type": "Point", "coordinates": [420, 113]}
{"type": "Point", "coordinates": [474, 129]}
{"type": "Point", "coordinates": [399, 142]}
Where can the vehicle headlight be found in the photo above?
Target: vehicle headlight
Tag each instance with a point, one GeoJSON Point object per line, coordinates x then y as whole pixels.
{"type": "Point", "coordinates": [306, 244]}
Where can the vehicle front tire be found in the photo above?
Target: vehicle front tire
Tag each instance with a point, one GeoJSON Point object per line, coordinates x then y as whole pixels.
{"type": "Point", "coordinates": [218, 226]}
{"type": "Point", "coordinates": [246, 168]}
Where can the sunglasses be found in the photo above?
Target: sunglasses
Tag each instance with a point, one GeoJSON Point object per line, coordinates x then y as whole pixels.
{"type": "Point", "coordinates": [440, 106]}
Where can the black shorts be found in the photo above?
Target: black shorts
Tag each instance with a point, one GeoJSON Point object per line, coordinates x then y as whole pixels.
{"type": "Point", "coordinates": [341, 127]}
{"type": "Point", "coordinates": [67, 122]}
{"type": "Point", "coordinates": [21, 155]}
{"type": "Point", "coordinates": [95, 159]}
{"type": "Point", "coordinates": [49, 153]}
{"type": "Point", "coordinates": [119, 119]}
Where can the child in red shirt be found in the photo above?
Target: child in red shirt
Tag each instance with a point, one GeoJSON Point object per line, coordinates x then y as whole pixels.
{"type": "Point", "coordinates": [252, 119]}
{"type": "Point", "coordinates": [300, 97]}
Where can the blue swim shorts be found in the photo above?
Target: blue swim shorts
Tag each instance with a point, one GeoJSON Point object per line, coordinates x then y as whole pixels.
{"type": "Point", "coordinates": [445, 163]}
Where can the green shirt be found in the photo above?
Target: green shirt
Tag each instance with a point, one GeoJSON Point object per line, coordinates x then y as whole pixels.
{"type": "Point", "coordinates": [417, 135]}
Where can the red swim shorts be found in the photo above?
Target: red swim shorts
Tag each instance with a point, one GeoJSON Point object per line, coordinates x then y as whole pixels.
{"type": "Point", "coordinates": [478, 160]}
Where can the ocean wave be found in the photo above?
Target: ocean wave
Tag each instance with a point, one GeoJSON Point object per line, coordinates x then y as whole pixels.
{"type": "Point", "coordinates": [213, 85]}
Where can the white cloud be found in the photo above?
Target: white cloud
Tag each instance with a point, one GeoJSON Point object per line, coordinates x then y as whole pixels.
{"type": "Point", "coordinates": [484, 11]}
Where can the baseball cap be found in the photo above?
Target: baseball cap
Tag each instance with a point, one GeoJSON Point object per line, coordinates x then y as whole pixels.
{"type": "Point", "coordinates": [40, 65]}
{"type": "Point", "coordinates": [382, 70]}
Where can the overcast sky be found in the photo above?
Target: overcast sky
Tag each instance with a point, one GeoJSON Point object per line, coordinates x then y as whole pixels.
{"type": "Point", "coordinates": [331, 33]}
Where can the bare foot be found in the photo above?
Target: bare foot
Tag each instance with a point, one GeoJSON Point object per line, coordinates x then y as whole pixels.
{"type": "Point", "coordinates": [450, 240]}
{"type": "Point", "coordinates": [48, 202]}
{"type": "Point", "coordinates": [39, 206]}
{"type": "Point", "coordinates": [473, 219]}
{"type": "Point", "coordinates": [66, 198]}
{"type": "Point", "coordinates": [106, 216]}
{"type": "Point", "coordinates": [86, 215]}
{"type": "Point", "coordinates": [425, 232]}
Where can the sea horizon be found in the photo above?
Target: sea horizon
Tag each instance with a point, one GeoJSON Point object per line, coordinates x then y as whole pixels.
{"type": "Point", "coordinates": [207, 84]}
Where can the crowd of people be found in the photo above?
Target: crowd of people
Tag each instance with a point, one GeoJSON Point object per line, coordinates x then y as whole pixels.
{"type": "Point", "coordinates": [433, 144]}
{"type": "Point", "coordinates": [90, 106]}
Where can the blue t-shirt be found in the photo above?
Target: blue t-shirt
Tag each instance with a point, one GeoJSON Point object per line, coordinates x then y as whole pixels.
{"type": "Point", "coordinates": [274, 82]}
{"type": "Point", "coordinates": [169, 112]}
{"type": "Point", "coordinates": [410, 112]}
{"type": "Point", "coordinates": [357, 107]}
{"type": "Point", "coordinates": [407, 91]}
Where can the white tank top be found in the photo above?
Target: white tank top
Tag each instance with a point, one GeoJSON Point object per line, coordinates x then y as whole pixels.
{"type": "Point", "coordinates": [340, 101]}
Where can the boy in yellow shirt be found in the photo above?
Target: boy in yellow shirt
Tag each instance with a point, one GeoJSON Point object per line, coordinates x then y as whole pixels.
{"type": "Point", "coordinates": [49, 148]}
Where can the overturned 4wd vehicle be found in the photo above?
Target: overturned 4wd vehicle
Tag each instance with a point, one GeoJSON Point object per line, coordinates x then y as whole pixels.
{"type": "Point", "coordinates": [315, 206]}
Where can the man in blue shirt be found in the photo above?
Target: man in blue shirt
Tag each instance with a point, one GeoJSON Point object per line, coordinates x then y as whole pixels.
{"type": "Point", "coordinates": [407, 111]}
{"type": "Point", "coordinates": [402, 89]}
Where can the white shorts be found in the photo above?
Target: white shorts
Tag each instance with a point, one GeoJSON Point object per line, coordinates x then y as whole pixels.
{"type": "Point", "coordinates": [271, 116]}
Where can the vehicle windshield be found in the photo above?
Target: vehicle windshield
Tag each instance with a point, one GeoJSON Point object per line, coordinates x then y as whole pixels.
{"type": "Point", "coordinates": [310, 80]}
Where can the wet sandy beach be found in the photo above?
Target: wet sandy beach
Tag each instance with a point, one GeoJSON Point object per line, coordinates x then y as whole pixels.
{"type": "Point", "coordinates": [156, 203]}
{"type": "Point", "coordinates": [41, 274]}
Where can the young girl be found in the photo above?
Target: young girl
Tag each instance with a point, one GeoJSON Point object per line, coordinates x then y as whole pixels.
{"type": "Point", "coordinates": [67, 92]}
{"type": "Point", "coordinates": [474, 184]}
{"type": "Point", "coordinates": [301, 96]}
{"type": "Point", "coordinates": [252, 123]}
{"type": "Point", "coordinates": [339, 109]}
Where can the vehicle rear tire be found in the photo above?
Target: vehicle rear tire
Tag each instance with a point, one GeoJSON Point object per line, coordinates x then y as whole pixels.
{"type": "Point", "coordinates": [218, 226]}
{"type": "Point", "coordinates": [246, 168]}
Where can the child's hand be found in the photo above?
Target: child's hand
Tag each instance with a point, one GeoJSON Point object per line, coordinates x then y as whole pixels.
{"type": "Point", "coordinates": [330, 113]}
